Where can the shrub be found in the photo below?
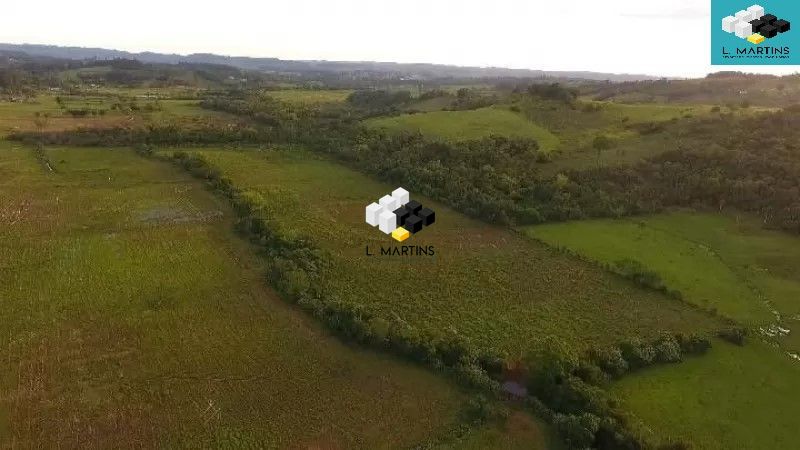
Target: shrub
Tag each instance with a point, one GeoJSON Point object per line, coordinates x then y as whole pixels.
{"type": "Point", "coordinates": [641, 275]}
{"type": "Point", "coordinates": [667, 349]}
{"type": "Point", "coordinates": [734, 335]}
{"type": "Point", "coordinates": [638, 354]}
{"type": "Point", "coordinates": [578, 430]}
{"type": "Point", "coordinates": [693, 344]}
{"type": "Point", "coordinates": [610, 360]}
{"type": "Point", "coordinates": [480, 410]}
{"type": "Point", "coordinates": [549, 366]}
{"type": "Point", "coordinates": [591, 373]}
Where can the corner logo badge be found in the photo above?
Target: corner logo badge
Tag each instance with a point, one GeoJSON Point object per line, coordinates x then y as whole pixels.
{"type": "Point", "coordinates": [754, 35]}
{"type": "Point", "coordinates": [755, 25]}
{"type": "Point", "coordinates": [399, 216]}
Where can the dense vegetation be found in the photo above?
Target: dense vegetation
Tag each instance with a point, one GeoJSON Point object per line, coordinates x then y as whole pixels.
{"type": "Point", "coordinates": [750, 165]}
{"type": "Point", "coordinates": [714, 168]}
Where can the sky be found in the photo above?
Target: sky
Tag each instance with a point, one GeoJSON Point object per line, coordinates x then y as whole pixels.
{"type": "Point", "coordinates": [655, 37]}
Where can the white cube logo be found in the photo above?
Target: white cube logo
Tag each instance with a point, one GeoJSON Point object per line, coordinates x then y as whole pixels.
{"type": "Point", "coordinates": [389, 203]}
{"type": "Point", "coordinates": [744, 16]}
{"type": "Point", "coordinates": [728, 24]}
{"type": "Point", "coordinates": [743, 29]}
{"type": "Point", "coordinates": [374, 211]}
{"type": "Point", "coordinates": [401, 195]}
{"type": "Point", "coordinates": [387, 222]}
{"type": "Point", "coordinates": [756, 12]}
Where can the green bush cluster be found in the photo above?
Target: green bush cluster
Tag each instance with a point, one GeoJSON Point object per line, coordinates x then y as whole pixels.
{"type": "Point", "coordinates": [84, 112]}
{"type": "Point", "coordinates": [734, 335]}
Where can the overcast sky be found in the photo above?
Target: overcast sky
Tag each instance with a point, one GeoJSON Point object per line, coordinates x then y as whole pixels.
{"type": "Point", "coordinates": [658, 37]}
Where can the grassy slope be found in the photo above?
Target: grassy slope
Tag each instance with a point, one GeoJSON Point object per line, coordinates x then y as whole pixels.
{"type": "Point", "coordinates": [310, 97]}
{"type": "Point", "coordinates": [21, 116]}
{"type": "Point", "coordinates": [577, 128]}
{"type": "Point", "coordinates": [734, 397]}
{"type": "Point", "coordinates": [519, 432]}
{"type": "Point", "coordinates": [132, 315]}
{"type": "Point", "coordinates": [715, 261]}
{"type": "Point", "coordinates": [744, 398]}
{"type": "Point", "coordinates": [489, 284]}
{"type": "Point", "coordinates": [467, 125]}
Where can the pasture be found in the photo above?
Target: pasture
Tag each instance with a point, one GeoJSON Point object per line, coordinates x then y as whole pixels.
{"type": "Point", "coordinates": [132, 315]}
{"type": "Point", "coordinates": [726, 263]}
{"type": "Point", "coordinates": [469, 125]}
{"type": "Point", "coordinates": [635, 131]}
{"type": "Point", "coordinates": [734, 397]}
{"type": "Point", "coordinates": [309, 97]}
{"type": "Point", "coordinates": [488, 284]}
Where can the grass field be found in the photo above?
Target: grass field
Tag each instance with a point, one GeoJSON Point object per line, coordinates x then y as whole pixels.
{"type": "Point", "coordinates": [488, 284]}
{"type": "Point", "coordinates": [310, 97]}
{"type": "Point", "coordinates": [742, 398]}
{"type": "Point", "coordinates": [468, 125]}
{"type": "Point", "coordinates": [577, 127]}
{"type": "Point", "coordinates": [733, 398]}
{"type": "Point", "coordinates": [22, 116]}
{"type": "Point", "coordinates": [723, 262]}
{"type": "Point", "coordinates": [132, 316]}
{"type": "Point", "coordinates": [519, 432]}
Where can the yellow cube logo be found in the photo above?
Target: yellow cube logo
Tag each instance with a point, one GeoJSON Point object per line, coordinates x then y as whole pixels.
{"type": "Point", "coordinates": [400, 234]}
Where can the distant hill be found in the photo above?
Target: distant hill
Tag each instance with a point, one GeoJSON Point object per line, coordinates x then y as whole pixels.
{"type": "Point", "coordinates": [354, 69]}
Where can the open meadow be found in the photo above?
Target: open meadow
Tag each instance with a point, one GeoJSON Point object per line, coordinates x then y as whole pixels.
{"type": "Point", "coordinates": [133, 316]}
{"type": "Point", "coordinates": [725, 263]}
{"type": "Point", "coordinates": [468, 125]}
{"type": "Point", "coordinates": [733, 397]}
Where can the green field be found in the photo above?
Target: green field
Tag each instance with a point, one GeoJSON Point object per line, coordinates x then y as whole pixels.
{"type": "Point", "coordinates": [733, 398]}
{"type": "Point", "coordinates": [468, 125]}
{"type": "Point", "coordinates": [519, 432]}
{"type": "Point", "coordinates": [729, 264]}
{"type": "Point", "coordinates": [22, 116]}
{"type": "Point", "coordinates": [132, 315]}
{"type": "Point", "coordinates": [310, 97]}
{"type": "Point", "coordinates": [576, 128]}
{"type": "Point", "coordinates": [488, 284]}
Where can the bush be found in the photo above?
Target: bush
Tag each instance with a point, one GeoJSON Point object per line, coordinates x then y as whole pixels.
{"type": "Point", "coordinates": [734, 335]}
{"type": "Point", "coordinates": [693, 344]}
{"type": "Point", "coordinates": [667, 349]}
{"type": "Point", "coordinates": [610, 360]}
{"type": "Point", "coordinates": [480, 410]}
{"type": "Point", "coordinates": [578, 430]}
{"type": "Point", "coordinates": [638, 354]}
{"type": "Point", "coordinates": [591, 373]}
{"type": "Point", "coordinates": [549, 366]}
{"type": "Point", "coordinates": [641, 275]}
